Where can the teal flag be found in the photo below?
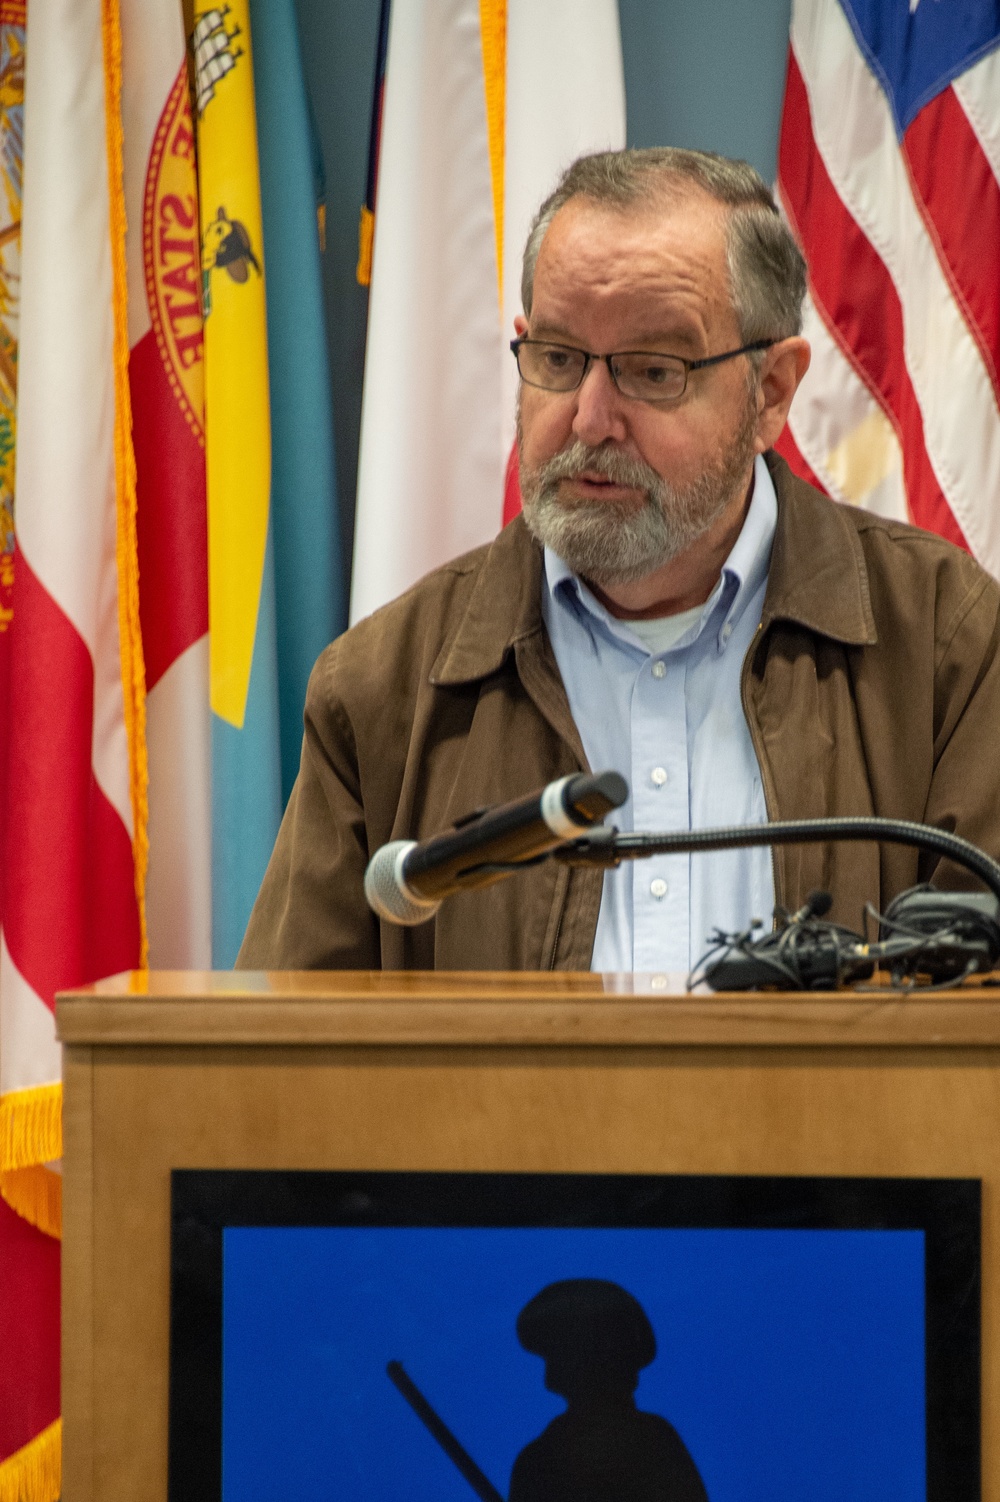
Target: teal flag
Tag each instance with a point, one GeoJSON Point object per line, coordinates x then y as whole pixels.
{"type": "Point", "coordinates": [303, 604]}
{"type": "Point", "coordinates": [246, 786]}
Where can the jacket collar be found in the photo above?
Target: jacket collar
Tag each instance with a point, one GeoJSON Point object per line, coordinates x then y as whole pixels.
{"type": "Point", "coordinates": [505, 607]}
{"type": "Point", "coordinates": [818, 576]}
{"type": "Point", "coordinates": [818, 579]}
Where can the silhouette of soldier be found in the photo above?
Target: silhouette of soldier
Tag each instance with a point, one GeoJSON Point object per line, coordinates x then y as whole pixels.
{"type": "Point", "coordinates": [595, 1339]}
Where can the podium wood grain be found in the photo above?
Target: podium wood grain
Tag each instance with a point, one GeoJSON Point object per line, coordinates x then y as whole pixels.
{"type": "Point", "coordinates": [521, 1072]}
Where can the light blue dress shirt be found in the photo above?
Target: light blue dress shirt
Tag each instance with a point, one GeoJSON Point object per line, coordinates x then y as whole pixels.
{"type": "Point", "coordinates": [672, 722]}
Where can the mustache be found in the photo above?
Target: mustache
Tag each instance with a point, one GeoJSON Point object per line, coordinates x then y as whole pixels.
{"type": "Point", "coordinates": [605, 460]}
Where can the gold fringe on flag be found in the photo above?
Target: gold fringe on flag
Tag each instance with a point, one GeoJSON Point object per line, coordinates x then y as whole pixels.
{"type": "Point", "coordinates": [34, 1473]}
{"type": "Point", "coordinates": [129, 630]}
{"type": "Point", "coordinates": [30, 1137]}
{"type": "Point", "coordinates": [493, 30]}
{"type": "Point", "coordinates": [30, 1126]}
{"type": "Point", "coordinates": [366, 243]}
{"type": "Point", "coordinates": [36, 1195]}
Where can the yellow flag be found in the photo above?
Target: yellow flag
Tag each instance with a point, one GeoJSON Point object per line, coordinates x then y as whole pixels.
{"type": "Point", "coordinates": [237, 412]}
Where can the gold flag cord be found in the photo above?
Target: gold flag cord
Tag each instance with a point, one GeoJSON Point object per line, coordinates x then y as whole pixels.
{"type": "Point", "coordinates": [130, 632]}
{"type": "Point", "coordinates": [493, 29]}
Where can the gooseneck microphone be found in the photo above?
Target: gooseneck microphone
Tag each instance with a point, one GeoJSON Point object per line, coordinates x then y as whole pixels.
{"type": "Point", "coordinates": [939, 937]}
{"type": "Point", "coordinates": [407, 879]}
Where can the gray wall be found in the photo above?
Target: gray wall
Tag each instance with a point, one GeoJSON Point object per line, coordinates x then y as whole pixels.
{"type": "Point", "coordinates": [705, 73]}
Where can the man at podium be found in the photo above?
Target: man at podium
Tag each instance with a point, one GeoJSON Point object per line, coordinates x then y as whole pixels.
{"type": "Point", "coordinates": [672, 603]}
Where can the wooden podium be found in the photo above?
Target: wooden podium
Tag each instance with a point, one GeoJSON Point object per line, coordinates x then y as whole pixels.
{"type": "Point", "coordinates": [522, 1072]}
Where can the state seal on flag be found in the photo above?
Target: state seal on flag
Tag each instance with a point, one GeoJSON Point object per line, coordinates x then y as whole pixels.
{"type": "Point", "coordinates": [172, 254]}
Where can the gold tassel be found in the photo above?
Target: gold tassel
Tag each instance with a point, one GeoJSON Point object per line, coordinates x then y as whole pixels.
{"type": "Point", "coordinates": [366, 243]}
{"type": "Point", "coordinates": [34, 1473]}
{"type": "Point", "coordinates": [36, 1195]}
{"type": "Point", "coordinates": [30, 1137]}
{"type": "Point", "coordinates": [30, 1127]}
{"type": "Point", "coordinates": [129, 630]}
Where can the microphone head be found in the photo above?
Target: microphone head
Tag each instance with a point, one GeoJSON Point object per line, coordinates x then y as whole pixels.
{"type": "Point", "coordinates": [386, 891]}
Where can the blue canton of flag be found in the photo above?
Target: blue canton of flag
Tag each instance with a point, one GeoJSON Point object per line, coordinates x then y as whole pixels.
{"type": "Point", "coordinates": [917, 47]}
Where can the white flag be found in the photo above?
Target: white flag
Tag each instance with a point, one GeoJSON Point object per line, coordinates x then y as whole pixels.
{"type": "Point", "coordinates": [480, 118]}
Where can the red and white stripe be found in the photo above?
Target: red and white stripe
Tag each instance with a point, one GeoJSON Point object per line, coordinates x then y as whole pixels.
{"type": "Point", "coordinates": [904, 256]}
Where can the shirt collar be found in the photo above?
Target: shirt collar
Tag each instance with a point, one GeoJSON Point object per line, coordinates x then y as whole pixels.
{"type": "Point", "coordinates": [817, 578]}
{"type": "Point", "coordinates": [743, 573]}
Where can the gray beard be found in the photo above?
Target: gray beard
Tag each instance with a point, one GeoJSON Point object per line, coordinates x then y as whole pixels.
{"type": "Point", "coordinates": [611, 543]}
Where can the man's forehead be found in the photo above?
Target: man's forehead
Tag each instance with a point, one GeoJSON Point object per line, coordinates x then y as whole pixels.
{"type": "Point", "coordinates": [689, 218]}
{"type": "Point", "coordinates": [662, 259]}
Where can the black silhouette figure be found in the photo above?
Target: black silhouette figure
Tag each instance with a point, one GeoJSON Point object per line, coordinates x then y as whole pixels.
{"type": "Point", "coordinates": [595, 1339]}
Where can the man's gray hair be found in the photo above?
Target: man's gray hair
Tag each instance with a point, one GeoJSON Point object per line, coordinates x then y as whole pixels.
{"type": "Point", "coordinates": [767, 272]}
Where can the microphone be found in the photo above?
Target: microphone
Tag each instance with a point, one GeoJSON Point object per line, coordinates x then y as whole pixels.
{"type": "Point", "coordinates": [406, 880]}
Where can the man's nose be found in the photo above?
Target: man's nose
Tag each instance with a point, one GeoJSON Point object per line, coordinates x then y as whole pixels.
{"type": "Point", "coordinates": [600, 408]}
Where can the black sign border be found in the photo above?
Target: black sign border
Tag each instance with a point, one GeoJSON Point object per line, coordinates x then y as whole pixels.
{"type": "Point", "coordinates": [206, 1201]}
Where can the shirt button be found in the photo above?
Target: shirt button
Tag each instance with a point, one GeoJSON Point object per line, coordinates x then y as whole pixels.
{"type": "Point", "coordinates": [658, 776]}
{"type": "Point", "coordinates": [658, 887]}
{"type": "Point", "coordinates": [659, 670]}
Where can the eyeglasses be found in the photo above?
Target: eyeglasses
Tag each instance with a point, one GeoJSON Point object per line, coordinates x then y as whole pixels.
{"type": "Point", "coordinates": [637, 374]}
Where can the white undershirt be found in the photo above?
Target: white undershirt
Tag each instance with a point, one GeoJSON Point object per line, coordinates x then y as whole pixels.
{"type": "Point", "coordinates": [665, 631]}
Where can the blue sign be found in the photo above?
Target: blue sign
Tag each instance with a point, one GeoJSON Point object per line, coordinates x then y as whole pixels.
{"type": "Point", "coordinates": [790, 1363]}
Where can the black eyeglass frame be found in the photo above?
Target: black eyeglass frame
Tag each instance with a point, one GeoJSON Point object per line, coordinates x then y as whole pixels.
{"type": "Point", "coordinates": [590, 357]}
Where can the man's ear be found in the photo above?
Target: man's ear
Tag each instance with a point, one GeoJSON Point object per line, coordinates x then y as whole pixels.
{"type": "Point", "coordinates": [520, 325]}
{"type": "Point", "coordinates": [781, 370]}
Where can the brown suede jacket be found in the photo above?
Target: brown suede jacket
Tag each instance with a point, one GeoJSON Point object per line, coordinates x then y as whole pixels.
{"type": "Point", "coordinates": [872, 686]}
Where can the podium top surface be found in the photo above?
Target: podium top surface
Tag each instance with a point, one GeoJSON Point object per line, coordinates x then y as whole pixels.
{"type": "Point", "coordinates": [508, 1009]}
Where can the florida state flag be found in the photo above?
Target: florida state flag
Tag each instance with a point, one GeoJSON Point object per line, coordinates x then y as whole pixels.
{"type": "Point", "coordinates": [101, 337]}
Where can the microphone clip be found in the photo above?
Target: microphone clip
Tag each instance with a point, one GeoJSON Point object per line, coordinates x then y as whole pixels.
{"type": "Point", "coordinates": [600, 846]}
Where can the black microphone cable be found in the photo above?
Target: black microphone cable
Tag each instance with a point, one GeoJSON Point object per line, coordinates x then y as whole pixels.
{"type": "Point", "coordinates": [945, 936]}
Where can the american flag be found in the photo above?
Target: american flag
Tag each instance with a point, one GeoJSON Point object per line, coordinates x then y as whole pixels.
{"type": "Point", "coordinates": [889, 172]}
